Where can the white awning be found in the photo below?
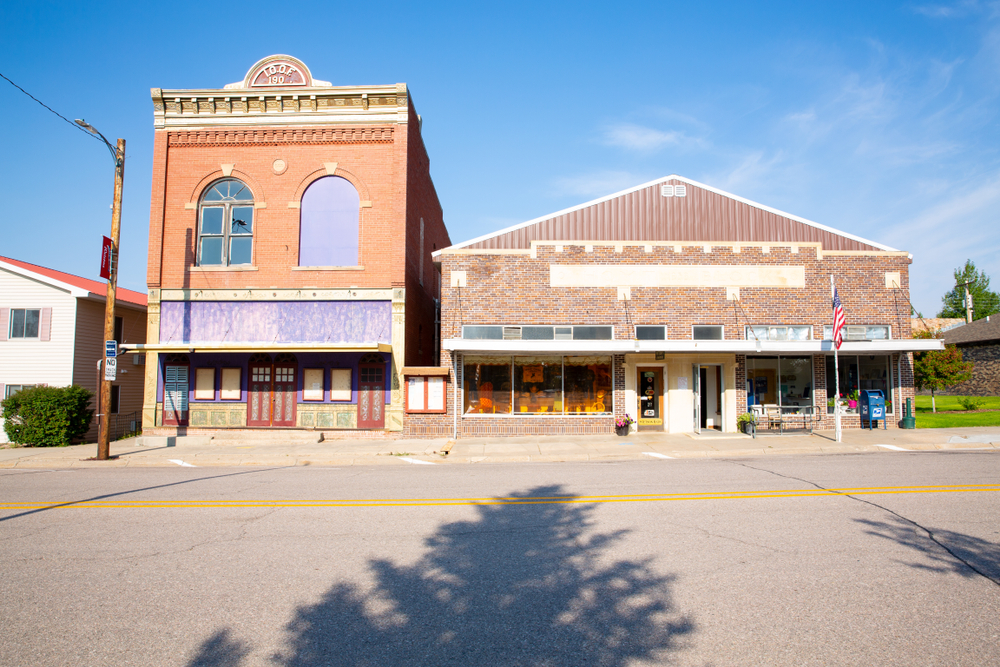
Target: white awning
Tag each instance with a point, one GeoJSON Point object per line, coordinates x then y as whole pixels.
{"type": "Point", "coordinates": [690, 346]}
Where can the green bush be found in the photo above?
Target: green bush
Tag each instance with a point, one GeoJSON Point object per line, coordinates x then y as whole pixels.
{"type": "Point", "coordinates": [971, 402]}
{"type": "Point", "coordinates": [47, 416]}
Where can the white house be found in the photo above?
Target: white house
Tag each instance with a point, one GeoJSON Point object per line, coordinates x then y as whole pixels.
{"type": "Point", "coordinates": [52, 332]}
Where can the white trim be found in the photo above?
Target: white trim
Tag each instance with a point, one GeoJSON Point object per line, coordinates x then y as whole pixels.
{"type": "Point", "coordinates": [27, 273]}
{"type": "Point", "coordinates": [688, 346]}
{"type": "Point", "coordinates": [673, 177]}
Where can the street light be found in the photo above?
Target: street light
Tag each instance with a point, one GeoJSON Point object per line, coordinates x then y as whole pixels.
{"type": "Point", "coordinates": [118, 155]}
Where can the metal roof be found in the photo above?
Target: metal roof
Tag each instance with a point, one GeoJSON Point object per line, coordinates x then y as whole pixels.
{"type": "Point", "coordinates": [643, 213]}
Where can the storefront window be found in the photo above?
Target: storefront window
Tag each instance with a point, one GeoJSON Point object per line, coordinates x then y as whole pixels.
{"type": "Point", "coordinates": [588, 385]}
{"type": "Point", "coordinates": [537, 384]}
{"type": "Point", "coordinates": [782, 381]}
{"type": "Point", "coordinates": [487, 385]}
{"type": "Point", "coordinates": [858, 372]}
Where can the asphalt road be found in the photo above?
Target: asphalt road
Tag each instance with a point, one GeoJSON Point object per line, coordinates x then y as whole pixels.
{"type": "Point", "coordinates": [886, 559]}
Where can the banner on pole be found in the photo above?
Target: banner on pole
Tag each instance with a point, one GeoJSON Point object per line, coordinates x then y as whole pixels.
{"type": "Point", "coordinates": [106, 258]}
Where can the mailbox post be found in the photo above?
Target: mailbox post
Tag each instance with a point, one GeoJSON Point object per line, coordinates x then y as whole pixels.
{"type": "Point", "coordinates": [873, 408]}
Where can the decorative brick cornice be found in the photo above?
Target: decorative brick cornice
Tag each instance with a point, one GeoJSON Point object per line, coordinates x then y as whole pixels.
{"type": "Point", "coordinates": [289, 135]}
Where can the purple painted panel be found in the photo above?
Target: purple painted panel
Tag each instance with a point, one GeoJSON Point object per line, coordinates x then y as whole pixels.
{"type": "Point", "coordinates": [328, 234]}
{"type": "Point", "coordinates": [275, 322]}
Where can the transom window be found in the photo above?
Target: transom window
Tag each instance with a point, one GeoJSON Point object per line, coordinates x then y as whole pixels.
{"type": "Point", "coordinates": [706, 332]}
{"type": "Point", "coordinates": [225, 230]}
{"type": "Point", "coordinates": [24, 322]}
{"type": "Point", "coordinates": [499, 332]}
{"type": "Point", "coordinates": [859, 332]}
{"type": "Point", "coordinates": [650, 332]}
{"type": "Point", "coordinates": [779, 333]}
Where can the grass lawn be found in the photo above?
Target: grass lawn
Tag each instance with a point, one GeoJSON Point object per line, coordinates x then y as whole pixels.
{"type": "Point", "coordinates": [927, 419]}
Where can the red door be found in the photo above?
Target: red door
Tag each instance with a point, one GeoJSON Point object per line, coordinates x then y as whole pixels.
{"type": "Point", "coordinates": [371, 396]}
{"type": "Point", "coordinates": [284, 395]}
{"type": "Point", "coordinates": [259, 409]}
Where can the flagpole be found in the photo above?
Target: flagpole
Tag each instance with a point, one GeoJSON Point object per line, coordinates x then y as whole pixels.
{"type": "Point", "coordinates": [836, 373]}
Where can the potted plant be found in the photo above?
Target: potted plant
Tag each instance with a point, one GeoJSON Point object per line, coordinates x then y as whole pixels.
{"type": "Point", "coordinates": [623, 425]}
{"type": "Point", "coordinates": [852, 399]}
{"type": "Point", "coordinates": [747, 423]}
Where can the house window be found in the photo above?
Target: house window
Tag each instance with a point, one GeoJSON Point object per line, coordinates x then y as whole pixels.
{"type": "Point", "coordinates": [779, 333]}
{"type": "Point", "coordinates": [330, 220]}
{"type": "Point", "coordinates": [116, 395]}
{"type": "Point", "coordinates": [648, 332]}
{"type": "Point", "coordinates": [707, 332]}
{"type": "Point", "coordinates": [24, 322]}
{"type": "Point", "coordinates": [497, 332]}
{"type": "Point", "coordinates": [12, 389]}
{"type": "Point", "coordinates": [225, 230]}
{"type": "Point", "coordinates": [120, 330]}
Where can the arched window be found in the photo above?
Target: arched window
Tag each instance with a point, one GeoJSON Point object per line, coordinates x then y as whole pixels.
{"type": "Point", "coordinates": [225, 224]}
{"type": "Point", "coordinates": [328, 234]}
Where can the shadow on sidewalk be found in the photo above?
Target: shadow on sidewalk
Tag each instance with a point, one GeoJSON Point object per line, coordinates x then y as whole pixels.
{"type": "Point", "coordinates": [524, 584]}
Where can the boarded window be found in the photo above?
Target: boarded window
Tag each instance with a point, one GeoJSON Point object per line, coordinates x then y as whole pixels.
{"type": "Point", "coordinates": [204, 384]}
{"type": "Point", "coordinates": [328, 232]}
{"type": "Point", "coordinates": [312, 388]}
{"type": "Point", "coordinates": [231, 384]}
{"type": "Point", "coordinates": [340, 384]}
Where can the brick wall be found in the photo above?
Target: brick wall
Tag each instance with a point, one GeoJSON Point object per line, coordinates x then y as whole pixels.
{"type": "Point", "coordinates": [514, 288]}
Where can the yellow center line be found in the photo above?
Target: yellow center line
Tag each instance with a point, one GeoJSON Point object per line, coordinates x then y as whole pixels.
{"type": "Point", "coordinates": [533, 500]}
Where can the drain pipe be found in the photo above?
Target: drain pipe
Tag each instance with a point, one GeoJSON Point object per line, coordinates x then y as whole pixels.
{"type": "Point", "coordinates": [454, 394]}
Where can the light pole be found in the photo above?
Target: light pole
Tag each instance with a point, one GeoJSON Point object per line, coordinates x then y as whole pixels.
{"type": "Point", "coordinates": [118, 155]}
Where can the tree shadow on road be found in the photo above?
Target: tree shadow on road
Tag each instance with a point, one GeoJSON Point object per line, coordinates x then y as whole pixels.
{"type": "Point", "coordinates": [944, 551]}
{"type": "Point", "coordinates": [526, 583]}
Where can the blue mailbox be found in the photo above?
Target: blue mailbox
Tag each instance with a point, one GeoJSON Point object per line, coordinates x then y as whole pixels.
{"type": "Point", "coordinates": [872, 407]}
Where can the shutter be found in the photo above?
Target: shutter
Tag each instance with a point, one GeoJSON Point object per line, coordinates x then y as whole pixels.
{"type": "Point", "coordinates": [4, 322]}
{"type": "Point", "coordinates": [45, 324]}
{"type": "Point", "coordinates": [175, 391]}
{"type": "Point", "coordinates": [2, 395]}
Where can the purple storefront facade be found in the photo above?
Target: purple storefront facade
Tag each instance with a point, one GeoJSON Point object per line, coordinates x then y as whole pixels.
{"type": "Point", "coordinates": [287, 364]}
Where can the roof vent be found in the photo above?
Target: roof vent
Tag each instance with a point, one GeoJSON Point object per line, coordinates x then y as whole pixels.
{"type": "Point", "coordinates": [680, 191]}
{"type": "Point", "coordinates": [667, 191]}
{"type": "Point", "coordinates": [512, 333]}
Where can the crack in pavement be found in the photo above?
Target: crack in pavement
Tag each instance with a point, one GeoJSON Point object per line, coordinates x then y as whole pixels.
{"type": "Point", "coordinates": [930, 534]}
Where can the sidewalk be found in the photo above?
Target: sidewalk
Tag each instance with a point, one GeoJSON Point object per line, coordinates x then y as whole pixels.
{"type": "Point", "coordinates": [203, 452]}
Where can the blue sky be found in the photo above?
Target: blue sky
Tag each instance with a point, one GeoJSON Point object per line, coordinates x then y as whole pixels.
{"type": "Point", "coordinates": [879, 119]}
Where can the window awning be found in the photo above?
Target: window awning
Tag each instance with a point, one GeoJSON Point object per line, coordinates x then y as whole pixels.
{"type": "Point", "coordinates": [690, 346]}
{"type": "Point", "coordinates": [256, 347]}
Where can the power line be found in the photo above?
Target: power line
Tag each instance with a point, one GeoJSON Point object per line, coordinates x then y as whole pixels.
{"type": "Point", "coordinates": [48, 107]}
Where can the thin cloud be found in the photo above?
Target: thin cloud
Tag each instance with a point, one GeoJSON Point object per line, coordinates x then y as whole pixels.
{"type": "Point", "coordinates": [638, 138]}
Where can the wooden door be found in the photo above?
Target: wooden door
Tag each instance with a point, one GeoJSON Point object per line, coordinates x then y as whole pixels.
{"type": "Point", "coordinates": [650, 398]}
{"type": "Point", "coordinates": [261, 380]}
{"type": "Point", "coordinates": [371, 396]}
{"type": "Point", "coordinates": [285, 390]}
{"type": "Point", "coordinates": [175, 395]}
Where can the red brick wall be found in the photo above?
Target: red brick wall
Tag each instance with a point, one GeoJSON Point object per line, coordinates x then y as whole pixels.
{"type": "Point", "coordinates": [185, 163]}
{"type": "Point", "coordinates": [514, 289]}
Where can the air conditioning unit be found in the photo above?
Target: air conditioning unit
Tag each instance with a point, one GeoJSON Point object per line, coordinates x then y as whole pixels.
{"type": "Point", "coordinates": [512, 333]}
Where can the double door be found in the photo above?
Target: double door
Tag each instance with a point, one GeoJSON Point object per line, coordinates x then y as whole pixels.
{"type": "Point", "coordinates": [272, 393]}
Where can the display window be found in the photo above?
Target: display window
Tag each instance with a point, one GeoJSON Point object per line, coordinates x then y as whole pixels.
{"type": "Point", "coordinates": [538, 385]}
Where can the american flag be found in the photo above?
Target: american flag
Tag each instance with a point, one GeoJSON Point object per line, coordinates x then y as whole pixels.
{"type": "Point", "coordinates": [839, 320]}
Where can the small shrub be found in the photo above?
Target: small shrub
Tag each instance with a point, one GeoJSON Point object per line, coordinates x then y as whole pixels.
{"type": "Point", "coordinates": [971, 402]}
{"type": "Point", "coordinates": [47, 416]}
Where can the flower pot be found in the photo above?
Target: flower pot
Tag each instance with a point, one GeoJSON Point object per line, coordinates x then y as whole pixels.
{"type": "Point", "coordinates": [749, 428]}
{"type": "Point", "coordinates": [852, 405]}
{"type": "Point", "coordinates": [622, 430]}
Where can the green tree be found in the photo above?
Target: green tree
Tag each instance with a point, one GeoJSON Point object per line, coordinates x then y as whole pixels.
{"type": "Point", "coordinates": [938, 369]}
{"type": "Point", "coordinates": [984, 302]}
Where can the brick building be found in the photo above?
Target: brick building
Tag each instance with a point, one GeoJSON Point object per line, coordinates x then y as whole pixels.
{"type": "Point", "coordinates": [290, 271]}
{"type": "Point", "coordinates": [979, 342]}
{"type": "Point", "coordinates": [673, 302]}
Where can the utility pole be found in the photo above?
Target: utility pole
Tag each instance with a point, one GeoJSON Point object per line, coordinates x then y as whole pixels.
{"type": "Point", "coordinates": [104, 439]}
{"type": "Point", "coordinates": [968, 301]}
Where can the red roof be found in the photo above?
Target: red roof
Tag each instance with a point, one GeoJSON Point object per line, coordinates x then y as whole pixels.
{"type": "Point", "coordinates": [95, 286]}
